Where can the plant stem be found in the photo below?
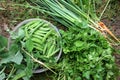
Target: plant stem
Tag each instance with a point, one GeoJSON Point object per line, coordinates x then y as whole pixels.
{"type": "Point", "coordinates": [12, 71]}
{"type": "Point", "coordinates": [39, 61]}
{"type": "Point", "coordinates": [104, 9]}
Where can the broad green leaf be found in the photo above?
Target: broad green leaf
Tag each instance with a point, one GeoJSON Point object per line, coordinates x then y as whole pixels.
{"type": "Point", "coordinates": [29, 45]}
{"type": "Point", "coordinates": [13, 48]}
{"type": "Point", "coordinates": [8, 56]}
{"type": "Point", "coordinates": [6, 60]}
{"type": "Point", "coordinates": [2, 76]}
{"type": "Point", "coordinates": [17, 58]}
{"type": "Point", "coordinates": [23, 43]}
{"type": "Point", "coordinates": [21, 33]}
{"type": "Point", "coordinates": [3, 41]}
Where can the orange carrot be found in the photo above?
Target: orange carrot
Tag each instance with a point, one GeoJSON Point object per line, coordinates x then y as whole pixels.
{"type": "Point", "coordinates": [103, 26]}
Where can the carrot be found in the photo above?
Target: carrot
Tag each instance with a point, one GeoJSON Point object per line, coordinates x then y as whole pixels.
{"type": "Point", "coordinates": [103, 26]}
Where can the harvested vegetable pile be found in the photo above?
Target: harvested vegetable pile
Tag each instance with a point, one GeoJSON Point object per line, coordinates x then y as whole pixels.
{"type": "Point", "coordinates": [86, 46]}
{"type": "Point", "coordinates": [87, 50]}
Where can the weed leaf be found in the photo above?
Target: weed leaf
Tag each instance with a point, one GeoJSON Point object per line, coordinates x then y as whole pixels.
{"type": "Point", "coordinates": [17, 58]}
{"type": "Point", "coordinates": [3, 41]}
{"type": "Point", "coordinates": [29, 45]}
{"type": "Point", "coordinates": [2, 76]}
{"type": "Point", "coordinates": [21, 33]}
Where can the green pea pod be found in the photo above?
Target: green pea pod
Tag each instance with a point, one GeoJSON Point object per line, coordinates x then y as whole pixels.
{"type": "Point", "coordinates": [46, 25]}
{"type": "Point", "coordinates": [36, 28]}
{"type": "Point", "coordinates": [38, 46]}
{"type": "Point", "coordinates": [31, 29]}
{"type": "Point", "coordinates": [41, 35]}
{"type": "Point", "coordinates": [27, 30]}
{"type": "Point", "coordinates": [28, 24]}
{"type": "Point", "coordinates": [53, 53]}
{"type": "Point", "coordinates": [40, 31]}
{"type": "Point", "coordinates": [45, 37]}
{"type": "Point", "coordinates": [50, 50]}
{"type": "Point", "coordinates": [34, 25]}
{"type": "Point", "coordinates": [45, 49]}
{"type": "Point", "coordinates": [49, 44]}
{"type": "Point", "coordinates": [37, 36]}
{"type": "Point", "coordinates": [44, 29]}
{"type": "Point", "coordinates": [36, 40]}
{"type": "Point", "coordinates": [26, 33]}
{"type": "Point", "coordinates": [57, 39]}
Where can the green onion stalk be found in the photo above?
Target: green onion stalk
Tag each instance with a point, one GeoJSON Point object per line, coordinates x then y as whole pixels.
{"type": "Point", "coordinates": [71, 13]}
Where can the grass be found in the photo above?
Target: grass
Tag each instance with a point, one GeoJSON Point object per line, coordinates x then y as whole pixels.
{"type": "Point", "coordinates": [14, 14]}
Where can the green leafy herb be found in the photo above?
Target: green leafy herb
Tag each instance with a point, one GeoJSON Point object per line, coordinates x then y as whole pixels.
{"type": "Point", "coordinates": [29, 45]}
{"type": "Point", "coordinates": [87, 55]}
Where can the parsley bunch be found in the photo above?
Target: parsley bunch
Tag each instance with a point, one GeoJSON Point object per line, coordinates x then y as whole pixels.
{"type": "Point", "coordinates": [87, 56]}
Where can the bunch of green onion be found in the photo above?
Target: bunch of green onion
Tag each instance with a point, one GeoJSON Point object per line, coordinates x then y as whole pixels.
{"type": "Point", "coordinates": [69, 12]}
{"type": "Point", "coordinates": [72, 12]}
